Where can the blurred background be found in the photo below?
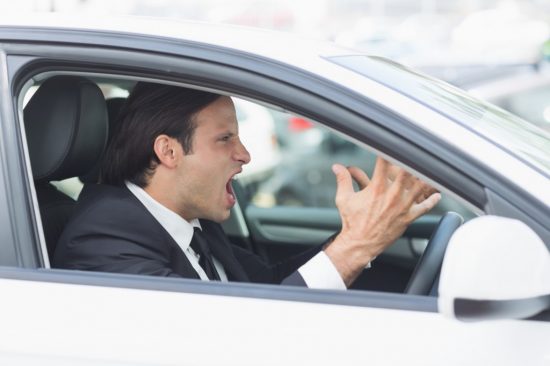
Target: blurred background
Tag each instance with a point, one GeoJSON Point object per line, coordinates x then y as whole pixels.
{"type": "Point", "coordinates": [498, 50]}
{"type": "Point", "coordinates": [418, 32]}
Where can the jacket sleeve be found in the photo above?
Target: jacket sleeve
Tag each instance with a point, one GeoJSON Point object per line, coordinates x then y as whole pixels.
{"type": "Point", "coordinates": [284, 272]}
{"type": "Point", "coordinates": [295, 279]}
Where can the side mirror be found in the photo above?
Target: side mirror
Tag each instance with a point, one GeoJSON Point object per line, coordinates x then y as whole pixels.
{"type": "Point", "coordinates": [495, 268]}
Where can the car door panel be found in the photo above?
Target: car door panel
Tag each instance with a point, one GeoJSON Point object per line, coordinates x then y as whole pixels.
{"type": "Point", "coordinates": [306, 226]}
{"type": "Point", "coordinates": [285, 231]}
{"type": "Point", "coordinates": [140, 326]}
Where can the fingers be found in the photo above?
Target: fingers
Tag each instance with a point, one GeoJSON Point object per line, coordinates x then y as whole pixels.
{"type": "Point", "coordinates": [344, 186]}
{"type": "Point", "coordinates": [396, 184]}
{"type": "Point", "coordinates": [408, 186]}
{"type": "Point", "coordinates": [402, 185]}
{"type": "Point", "coordinates": [381, 169]}
{"type": "Point", "coordinates": [426, 192]}
{"type": "Point", "coordinates": [359, 176]}
{"type": "Point", "coordinates": [393, 171]}
{"type": "Point", "coordinates": [404, 180]}
{"type": "Point", "coordinates": [390, 174]}
{"type": "Point", "coordinates": [418, 192]}
{"type": "Point", "coordinates": [419, 209]}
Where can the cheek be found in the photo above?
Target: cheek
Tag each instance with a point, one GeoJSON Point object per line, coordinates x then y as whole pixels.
{"type": "Point", "coordinates": [208, 179]}
{"type": "Point", "coordinates": [209, 171]}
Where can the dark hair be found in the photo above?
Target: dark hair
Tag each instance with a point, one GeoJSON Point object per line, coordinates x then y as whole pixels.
{"type": "Point", "coordinates": [150, 110]}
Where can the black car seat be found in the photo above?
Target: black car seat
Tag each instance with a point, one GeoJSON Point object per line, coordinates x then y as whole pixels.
{"type": "Point", "coordinates": [114, 105]}
{"type": "Point", "coordinates": [66, 127]}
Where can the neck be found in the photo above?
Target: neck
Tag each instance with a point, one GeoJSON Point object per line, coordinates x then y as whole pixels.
{"type": "Point", "coordinates": [163, 194]}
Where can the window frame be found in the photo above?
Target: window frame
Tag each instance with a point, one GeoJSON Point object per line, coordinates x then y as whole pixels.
{"type": "Point", "coordinates": [206, 74]}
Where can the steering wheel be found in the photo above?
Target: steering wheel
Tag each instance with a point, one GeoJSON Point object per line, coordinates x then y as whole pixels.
{"type": "Point", "coordinates": [427, 269]}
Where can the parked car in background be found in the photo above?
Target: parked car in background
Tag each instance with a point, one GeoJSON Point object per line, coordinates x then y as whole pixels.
{"type": "Point", "coordinates": [303, 177]}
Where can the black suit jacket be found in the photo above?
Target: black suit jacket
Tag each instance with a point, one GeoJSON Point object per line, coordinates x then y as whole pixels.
{"type": "Point", "coordinates": [111, 231]}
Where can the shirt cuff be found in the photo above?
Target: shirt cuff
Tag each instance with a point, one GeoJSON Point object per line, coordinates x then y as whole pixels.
{"type": "Point", "coordinates": [319, 272]}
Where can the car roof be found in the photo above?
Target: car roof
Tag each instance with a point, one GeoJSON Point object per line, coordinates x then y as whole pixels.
{"type": "Point", "coordinates": [510, 85]}
{"type": "Point", "coordinates": [382, 81]}
{"type": "Point", "coordinates": [267, 43]}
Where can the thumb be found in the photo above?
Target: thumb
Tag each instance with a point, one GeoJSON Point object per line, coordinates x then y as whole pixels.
{"type": "Point", "coordinates": [344, 186]}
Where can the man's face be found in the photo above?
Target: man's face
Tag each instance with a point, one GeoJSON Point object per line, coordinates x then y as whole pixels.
{"type": "Point", "coordinates": [204, 177]}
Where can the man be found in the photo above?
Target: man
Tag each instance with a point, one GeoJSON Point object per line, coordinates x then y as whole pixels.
{"type": "Point", "coordinates": [167, 184]}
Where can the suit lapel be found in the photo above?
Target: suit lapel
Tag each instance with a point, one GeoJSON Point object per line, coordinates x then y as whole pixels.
{"type": "Point", "coordinates": [221, 250]}
{"type": "Point", "coordinates": [178, 260]}
{"type": "Point", "coordinates": [218, 242]}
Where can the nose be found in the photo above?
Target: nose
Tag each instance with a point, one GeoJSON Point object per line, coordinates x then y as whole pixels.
{"type": "Point", "coordinates": [242, 154]}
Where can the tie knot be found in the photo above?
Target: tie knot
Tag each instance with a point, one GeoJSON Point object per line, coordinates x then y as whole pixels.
{"type": "Point", "coordinates": [199, 243]}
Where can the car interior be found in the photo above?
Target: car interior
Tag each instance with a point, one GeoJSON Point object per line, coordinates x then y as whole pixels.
{"type": "Point", "coordinates": [68, 119]}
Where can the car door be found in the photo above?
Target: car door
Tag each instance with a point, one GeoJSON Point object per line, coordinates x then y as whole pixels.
{"type": "Point", "coordinates": [90, 317]}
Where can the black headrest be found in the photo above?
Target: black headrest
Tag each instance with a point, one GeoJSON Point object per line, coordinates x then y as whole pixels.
{"type": "Point", "coordinates": [66, 125]}
{"type": "Point", "coordinates": [114, 105]}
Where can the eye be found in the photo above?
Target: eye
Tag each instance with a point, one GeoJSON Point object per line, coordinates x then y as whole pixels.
{"type": "Point", "coordinates": [226, 138]}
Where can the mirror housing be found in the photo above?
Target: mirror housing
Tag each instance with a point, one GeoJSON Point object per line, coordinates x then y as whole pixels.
{"type": "Point", "coordinates": [494, 268]}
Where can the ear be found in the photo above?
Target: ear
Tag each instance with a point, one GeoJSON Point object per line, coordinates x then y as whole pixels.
{"type": "Point", "coordinates": [167, 150]}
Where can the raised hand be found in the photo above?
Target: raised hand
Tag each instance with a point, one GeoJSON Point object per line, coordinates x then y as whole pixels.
{"type": "Point", "coordinates": [376, 215]}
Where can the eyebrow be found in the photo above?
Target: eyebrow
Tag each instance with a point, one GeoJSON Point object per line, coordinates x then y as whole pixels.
{"type": "Point", "coordinates": [225, 133]}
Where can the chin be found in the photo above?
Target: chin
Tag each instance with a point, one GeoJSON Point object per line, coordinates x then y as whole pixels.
{"type": "Point", "coordinates": [220, 216]}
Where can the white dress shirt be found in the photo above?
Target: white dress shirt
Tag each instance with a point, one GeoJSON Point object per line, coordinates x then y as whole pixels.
{"type": "Point", "coordinates": [318, 272]}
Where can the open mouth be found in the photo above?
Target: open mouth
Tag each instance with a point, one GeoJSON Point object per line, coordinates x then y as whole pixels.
{"type": "Point", "coordinates": [229, 187]}
{"type": "Point", "coordinates": [230, 194]}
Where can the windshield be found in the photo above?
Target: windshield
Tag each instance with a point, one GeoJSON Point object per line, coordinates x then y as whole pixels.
{"type": "Point", "coordinates": [521, 138]}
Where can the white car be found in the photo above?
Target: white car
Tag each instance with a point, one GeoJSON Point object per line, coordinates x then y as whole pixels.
{"type": "Point", "coordinates": [490, 162]}
{"type": "Point", "coordinates": [525, 94]}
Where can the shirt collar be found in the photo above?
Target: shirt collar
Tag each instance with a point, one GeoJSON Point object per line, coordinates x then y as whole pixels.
{"type": "Point", "coordinates": [179, 229]}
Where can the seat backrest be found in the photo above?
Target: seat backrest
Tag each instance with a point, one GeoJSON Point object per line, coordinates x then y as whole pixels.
{"type": "Point", "coordinates": [66, 127]}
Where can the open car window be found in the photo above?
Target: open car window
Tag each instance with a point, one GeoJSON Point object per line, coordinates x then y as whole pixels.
{"type": "Point", "coordinates": [286, 193]}
{"type": "Point", "coordinates": [290, 206]}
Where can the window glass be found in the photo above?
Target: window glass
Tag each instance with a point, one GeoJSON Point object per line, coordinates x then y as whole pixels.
{"type": "Point", "coordinates": [299, 170]}
{"type": "Point", "coordinates": [506, 130]}
{"type": "Point", "coordinates": [257, 131]}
